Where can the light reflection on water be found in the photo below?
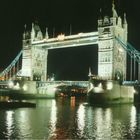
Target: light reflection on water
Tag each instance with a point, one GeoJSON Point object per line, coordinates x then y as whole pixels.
{"type": "Point", "coordinates": [9, 122]}
{"type": "Point", "coordinates": [81, 118]}
{"type": "Point", "coordinates": [70, 118]}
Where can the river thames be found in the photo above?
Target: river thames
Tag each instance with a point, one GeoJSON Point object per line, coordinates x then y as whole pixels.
{"type": "Point", "coordinates": [70, 118]}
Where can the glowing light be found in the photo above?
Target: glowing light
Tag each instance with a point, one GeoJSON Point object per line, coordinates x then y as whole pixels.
{"type": "Point", "coordinates": [25, 87]}
{"type": "Point", "coordinates": [61, 37]}
{"type": "Point", "coordinates": [9, 121]}
{"type": "Point", "coordinates": [109, 85]}
{"type": "Point", "coordinates": [103, 121]}
{"type": "Point", "coordinates": [133, 119]}
{"type": "Point", "coordinates": [73, 101]}
{"type": "Point", "coordinates": [17, 87]}
{"type": "Point", "coordinates": [99, 88]}
{"type": "Point", "coordinates": [52, 79]}
{"type": "Point", "coordinates": [11, 84]}
{"type": "Point", "coordinates": [50, 90]}
{"type": "Point", "coordinates": [24, 126]}
{"type": "Point", "coordinates": [99, 120]}
{"type": "Point", "coordinates": [53, 118]}
{"type": "Point", "coordinates": [81, 118]}
{"type": "Point", "coordinates": [54, 89]}
{"type": "Point", "coordinates": [53, 112]}
{"type": "Point", "coordinates": [120, 50]}
{"type": "Point", "coordinates": [100, 85]}
{"type": "Point", "coordinates": [134, 91]}
{"type": "Point", "coordinates": [80, 34]}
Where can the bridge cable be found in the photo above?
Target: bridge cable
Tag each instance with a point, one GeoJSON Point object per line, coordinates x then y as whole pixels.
{"type": "Point", "coordinates": [134, 54]}
{"type": "Point", "coordinates": [8, 69]}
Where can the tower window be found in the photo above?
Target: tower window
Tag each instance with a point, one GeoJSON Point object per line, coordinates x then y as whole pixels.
{"type": "Point", "coordinates": [106, 30]}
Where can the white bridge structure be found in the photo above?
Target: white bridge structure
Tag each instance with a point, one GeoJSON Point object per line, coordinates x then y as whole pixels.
{"type": "Point", "coordinates": [111, 37]}
{"type": "Point", "coordinates": [111, 54]}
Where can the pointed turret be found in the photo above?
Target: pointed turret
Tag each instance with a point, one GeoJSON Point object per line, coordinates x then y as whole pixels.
{"type": "Point", "coordinates": [36, 33]}
{"type": "Point", "coordinates": [100, 21]}
{"type": "Point", "coordinates": [125, 26]}
{"type": "Point", "coordinates": [32, 33]}
{"type": "Point", "coordinates": [39, 35]}
{"type": "Point", "coordinates": [124, 21]}
{"type": "Point", "coordinates": [115, 15]}
{"type": "Point", "coordinates": [90, 74]}
{"type": "Point", "coordinates": [26, 36]}
{"type": "Point", "coordinates": [24, 33]}
{"type": "Point", "coordinates": [100, 14]}
{"type": "Point", "coordinates": [46, 35]}
{"type": "Point", "coordinates": [119, 22]}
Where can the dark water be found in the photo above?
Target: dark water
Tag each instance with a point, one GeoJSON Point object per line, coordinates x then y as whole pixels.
{"type": "Point", "coordinates": [70, 119]}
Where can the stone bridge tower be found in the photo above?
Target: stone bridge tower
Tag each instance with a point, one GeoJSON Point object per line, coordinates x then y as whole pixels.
{"type": "Point", "coordinates": [111, 55]}
{"type": "Point", "coordinates": [34, 59]}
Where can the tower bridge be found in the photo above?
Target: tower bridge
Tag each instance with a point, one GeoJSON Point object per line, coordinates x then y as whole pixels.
{"type": "Point", "coordinates": [111, 53]}
{"type": "Point", "coordinates": [111, 37]}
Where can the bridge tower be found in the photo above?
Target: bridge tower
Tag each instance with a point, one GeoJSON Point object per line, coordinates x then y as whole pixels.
{"type": "Point", "coordinates": [111, 55]}
{"type": "Point", "coordinates": [34, 59]}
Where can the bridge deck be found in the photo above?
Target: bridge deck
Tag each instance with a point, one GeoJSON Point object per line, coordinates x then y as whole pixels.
{"type": "Point", "coordinates": [69, 41]}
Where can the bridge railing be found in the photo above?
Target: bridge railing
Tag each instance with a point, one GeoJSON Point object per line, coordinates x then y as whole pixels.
{"type": "Point", "coordinates": [131, 83]}
{"type": "Point", "coordinates": [68, 83]}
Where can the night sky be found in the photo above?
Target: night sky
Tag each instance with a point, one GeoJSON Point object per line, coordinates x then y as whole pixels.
{"type": "Point", "coordinates": [82, 15]}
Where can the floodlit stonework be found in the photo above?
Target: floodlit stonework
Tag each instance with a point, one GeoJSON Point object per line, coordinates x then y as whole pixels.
{"type": "Point", "coordinates": [34, 60]}
{"type": "Point", "coordinates": [111, 55]}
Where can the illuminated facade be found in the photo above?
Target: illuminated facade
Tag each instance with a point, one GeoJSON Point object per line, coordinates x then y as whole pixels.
{"type": "Point", "coordinates": [111, 55]}
{"type": "Point", "coordinates": [34, 60]}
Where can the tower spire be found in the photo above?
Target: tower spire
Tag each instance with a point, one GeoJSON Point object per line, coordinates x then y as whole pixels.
{"type": "Point", "coordinates": [24, 32]}
{"type": "Point", "coordinates": [125, 21]}
{"type": "Point", "coordinates": [46, 36]}
{"type": "Point", "coordinates": [32, 32]}
{"type": "Point", "coordinates": [113, 9]}
{"type": "Point", "coordinates": [100, 13]}
{"type": "Point", "coordinates": [89, 74]}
